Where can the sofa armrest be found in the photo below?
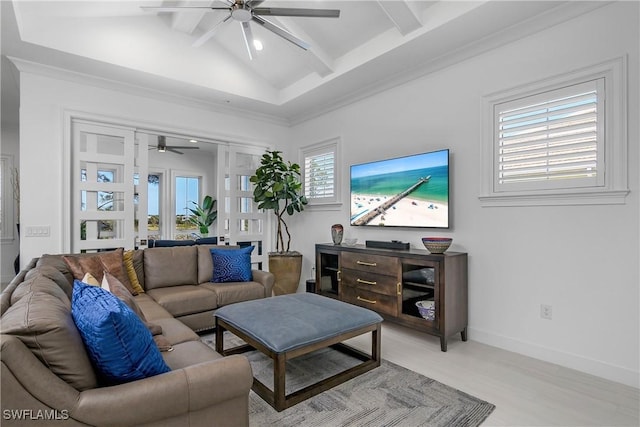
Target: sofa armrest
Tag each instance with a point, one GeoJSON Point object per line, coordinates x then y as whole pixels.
{"type": "Point", "coordinates": [266, 279]}
{"type": "Point", "coordinates": [167, 395]}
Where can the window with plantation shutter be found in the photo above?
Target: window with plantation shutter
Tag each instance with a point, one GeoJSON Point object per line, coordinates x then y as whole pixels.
{"type": "Point", "coordinates": [551, 140]}
{"type": "Point", "coordinates": [320, 172]}
{"type": "Point", "coordinates": [559, 141]}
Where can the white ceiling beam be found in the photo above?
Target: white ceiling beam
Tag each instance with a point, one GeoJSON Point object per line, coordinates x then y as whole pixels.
{"type": "Point", "coordinates": [401, 14]}
{"type": "Point", "coordinates": [186, 22]}
{"type": "Point", "coordinates": [318, 59]}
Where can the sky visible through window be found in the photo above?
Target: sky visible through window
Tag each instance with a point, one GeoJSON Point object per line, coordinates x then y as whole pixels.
{"type": "Point", "coordinates": [186, 192]}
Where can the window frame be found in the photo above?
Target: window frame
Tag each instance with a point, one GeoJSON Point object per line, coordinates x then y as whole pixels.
{"type": "Point", "coordinates": [330, 145]}
{"type": "Point", "coordinates": [173, 229]}
{"type": "Point", "coordinates": [611, 189]}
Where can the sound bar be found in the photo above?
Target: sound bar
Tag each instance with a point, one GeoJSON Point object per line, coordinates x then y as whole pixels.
{"type": "Point", "coordinates": [393, 244]}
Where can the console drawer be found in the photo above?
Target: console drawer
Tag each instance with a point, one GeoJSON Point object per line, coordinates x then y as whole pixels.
{"type": "Point", "coordinates": [372, 263]}
{"type": "Point", "coordinates": [381, 303]}
{"type": "Point", "coordinates": [370, 281]}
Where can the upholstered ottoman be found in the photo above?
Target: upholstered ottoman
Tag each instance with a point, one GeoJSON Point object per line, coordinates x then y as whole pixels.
{"type": "Point", "coordinates": [288, 326]}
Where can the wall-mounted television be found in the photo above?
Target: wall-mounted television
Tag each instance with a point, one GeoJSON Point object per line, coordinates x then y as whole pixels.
{"type": "Point", "coordinates": [410, 191]}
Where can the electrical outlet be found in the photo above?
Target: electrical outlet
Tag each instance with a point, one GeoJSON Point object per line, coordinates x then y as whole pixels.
{"type": "Point", "coordinates": [546, 311]}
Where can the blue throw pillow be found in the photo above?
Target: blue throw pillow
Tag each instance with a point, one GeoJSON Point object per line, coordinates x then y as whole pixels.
{"type": "Point", "coordinates": [232, 265]}
{"type": "Point", "coordinates": [119, 344]}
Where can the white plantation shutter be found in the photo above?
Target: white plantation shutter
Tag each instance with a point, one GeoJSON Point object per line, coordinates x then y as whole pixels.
{"type": "Point", "coordinates": [551, 140]}
{"type": "Point", "coordinates": [319, 163]}
{"type": "Point", "coordinates": [319, 176]}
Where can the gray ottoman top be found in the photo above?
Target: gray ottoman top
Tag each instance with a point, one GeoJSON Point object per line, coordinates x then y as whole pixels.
{"type": "Point", "coordinates": [286, 322]}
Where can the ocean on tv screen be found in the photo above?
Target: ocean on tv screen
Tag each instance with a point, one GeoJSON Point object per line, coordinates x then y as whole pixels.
{"type": "Point", "coordinates": [401, 198]}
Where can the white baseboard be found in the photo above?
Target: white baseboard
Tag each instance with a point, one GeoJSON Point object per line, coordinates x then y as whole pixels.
{"type": "Point", "coordinates": [573, 361]}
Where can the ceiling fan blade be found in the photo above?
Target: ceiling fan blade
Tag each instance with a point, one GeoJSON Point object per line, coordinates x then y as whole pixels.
{"type": "Point", "coordinates": [286, 11]}
{"type": "Point", "coordinates": [281, 32]}
{"type": "Point", "coordinates": [173, 150]}
{"type": "Point", "coordinates": [253, 3]}
{"type": "Point", "coordinates": [206, 36]}
{"type": "Point", "coordinates": [181, 8]}
{"type": "Point", "coordinates": [248, 39]}
{"type": "Point", "coordinates": [183, 147]}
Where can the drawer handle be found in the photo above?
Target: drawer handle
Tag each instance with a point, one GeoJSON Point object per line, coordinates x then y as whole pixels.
{"type": "Point", "coordinates": [366, 282]}
{"type": "Point", "coordinates": [399, 288]}
{"type": "Point", "coordinates": [366, 300]}
{"type": "Point", "coordinates": [368, 264]}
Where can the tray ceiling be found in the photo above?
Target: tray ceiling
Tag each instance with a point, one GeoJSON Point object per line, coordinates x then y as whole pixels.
{"type": "Point", "coordinates": [372, 45]}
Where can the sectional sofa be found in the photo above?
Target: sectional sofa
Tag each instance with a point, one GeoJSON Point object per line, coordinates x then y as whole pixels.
{"type": "Point", "coordinates": [48, 375]}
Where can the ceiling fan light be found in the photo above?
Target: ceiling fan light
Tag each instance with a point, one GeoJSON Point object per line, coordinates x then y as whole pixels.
{"type": "Point", "coordinates": [161, 149]}
{"type": "Point", "coordinates": [240, 14]}
{"type": "Point", "coordinates": [257, 44]}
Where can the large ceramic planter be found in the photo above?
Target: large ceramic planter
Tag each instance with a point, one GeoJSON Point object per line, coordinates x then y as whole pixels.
{"type": "Point", "coordinates": [286, 269]}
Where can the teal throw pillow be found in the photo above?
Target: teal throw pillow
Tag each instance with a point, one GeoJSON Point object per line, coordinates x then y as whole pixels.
{"type": "Point", "coordinates": [119, 344]}
{"type": "Point", "coordinates": [232, 265]}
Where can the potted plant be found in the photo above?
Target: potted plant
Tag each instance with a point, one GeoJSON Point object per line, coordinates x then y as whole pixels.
{"type": "Point", "coordinates": [204, 215]}
{"type": "Point", "coordinates": [277, 188]}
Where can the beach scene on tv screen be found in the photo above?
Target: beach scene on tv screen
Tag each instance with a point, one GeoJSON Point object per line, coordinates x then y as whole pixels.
{"type": "Point", "coordinates": [408, 191]}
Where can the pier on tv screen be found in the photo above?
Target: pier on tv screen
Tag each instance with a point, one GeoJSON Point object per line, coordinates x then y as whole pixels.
{"type": "Point", "coordinates": [410, 191]}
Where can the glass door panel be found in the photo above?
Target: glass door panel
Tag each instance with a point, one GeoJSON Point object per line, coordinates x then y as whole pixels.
{"type": "Point", "coordinates": [419, 286]}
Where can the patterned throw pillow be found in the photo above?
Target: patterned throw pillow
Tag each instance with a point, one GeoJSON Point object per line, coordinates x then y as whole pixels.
{"type": "Point", "coordinates": [231, 265]}
{"type": "Point", "coordinates": [119, 344]}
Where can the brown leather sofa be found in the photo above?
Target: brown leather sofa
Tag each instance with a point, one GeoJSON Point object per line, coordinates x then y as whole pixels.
{"type": "Point", "coordinates": [47, 377]}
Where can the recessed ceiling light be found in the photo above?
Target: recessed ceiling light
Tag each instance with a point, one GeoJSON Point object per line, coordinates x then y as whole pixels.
{"type": "Point", "coordinates": [193, 140]}
{"type": "Point", "coordinates": [257, 44]}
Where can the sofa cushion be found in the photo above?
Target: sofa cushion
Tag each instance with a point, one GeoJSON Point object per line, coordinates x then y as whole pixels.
{"type": "Point", "coordinates": [54, 274]}
{"type": "Point", "coordinates": [151, 309]}
{"type": "Point", "coordinates": [39, 283]}
{"type": "Point", "coordinates": [175, 331]}
{"type": "Point", "coordinates": [175, 266]}
{"type": "Point", "coordinates": [44, 324]}
{"type": "Point", "coordinates": [230, 293]}
{"type": "Point", "coordinates": [119, 344]}
{"type": "Point", "coordinates": [134, 272]}
{"type": "Point", "coordinates": [59, 264]}
{"type": "Point", "coordinates": [186, 299]}
{"type": "Point", "coordinates": [233, 265]}
{"type": "Point", "coordinates": [188, 354]}
{"type": "Point", "coordinates": [97, 264]}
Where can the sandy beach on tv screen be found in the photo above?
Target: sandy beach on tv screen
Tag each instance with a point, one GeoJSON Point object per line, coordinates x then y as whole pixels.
{"type": "Point", "coordinates": [408, 212]}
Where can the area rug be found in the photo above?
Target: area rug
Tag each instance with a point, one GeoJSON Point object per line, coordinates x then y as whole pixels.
{"type": "Point", "coordinates": [389, 395]}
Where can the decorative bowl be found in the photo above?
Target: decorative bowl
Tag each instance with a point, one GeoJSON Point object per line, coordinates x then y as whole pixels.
{"type": "Point", "coordinates": [350, 241]}
{"type": "Point", "coordinates": [427, 309]}
{"type": "Point", "coordinates": [436, 245]}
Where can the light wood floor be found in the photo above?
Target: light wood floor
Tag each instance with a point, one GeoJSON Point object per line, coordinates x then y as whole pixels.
{"type": "Point", "coordinates": [526, 391]}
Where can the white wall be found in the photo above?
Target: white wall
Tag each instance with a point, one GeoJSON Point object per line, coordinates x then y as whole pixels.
{"type": "Point", "coordinates": [44, 101]}
{"type": "Point", "coordinates": [582, 260]}
{"type": "Point", "coordinates": [9, 247]}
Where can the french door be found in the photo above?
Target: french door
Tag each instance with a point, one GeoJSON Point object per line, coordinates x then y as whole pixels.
{"type": "Point", "coordinates": [239, 220]}
{"type": "Point", "coordinates": [110, 198]}
{"type": "Point", "coordinates": [102, 184]}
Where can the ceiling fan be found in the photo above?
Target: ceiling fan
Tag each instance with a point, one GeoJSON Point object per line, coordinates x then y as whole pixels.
{"type": "Point", "coordinates": [245, 11]}
{"type": "Point", "coordinates": [163, 147]}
